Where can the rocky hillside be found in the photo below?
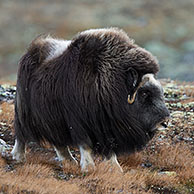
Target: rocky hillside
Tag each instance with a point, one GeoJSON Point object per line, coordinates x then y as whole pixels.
{"type": "Point", "coordinates": [166, 165]}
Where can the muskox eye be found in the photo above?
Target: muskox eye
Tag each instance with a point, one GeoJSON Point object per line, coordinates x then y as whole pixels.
{"type": "Point", "coordinates": [145, 94]}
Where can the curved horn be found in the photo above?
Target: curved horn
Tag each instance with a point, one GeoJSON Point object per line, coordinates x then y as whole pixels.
{"type": "Point", "coordinates": [130, 98]}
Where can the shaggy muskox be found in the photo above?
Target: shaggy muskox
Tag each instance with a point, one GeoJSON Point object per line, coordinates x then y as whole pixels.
{"type": "Point", "coordinates": [97, 92]}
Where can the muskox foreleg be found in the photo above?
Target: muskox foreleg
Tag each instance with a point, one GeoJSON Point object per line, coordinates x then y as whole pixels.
{"type": "Point", "coordinates": [113, 161]}
{"type": "Point", "coordinates": [18, 151]}
{"type": "Point", "coordinates": [86, 158]}
{"type": "Point", "coordinates": [64, 153]}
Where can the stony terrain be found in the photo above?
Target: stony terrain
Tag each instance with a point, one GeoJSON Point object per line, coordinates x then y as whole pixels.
{"type": "Point", "coordinates": [166, 165]}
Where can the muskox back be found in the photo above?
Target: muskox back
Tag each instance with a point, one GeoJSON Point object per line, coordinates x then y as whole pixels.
{"type": "Point", "coordinates": [75, 92]}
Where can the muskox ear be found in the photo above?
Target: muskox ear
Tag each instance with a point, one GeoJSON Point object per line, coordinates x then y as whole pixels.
{"type": "Point", "coordinates": [132, 78]}
{"type": "Point", "coordinates": [132, 84]}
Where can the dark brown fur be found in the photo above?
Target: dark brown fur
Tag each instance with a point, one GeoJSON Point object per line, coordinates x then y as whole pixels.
{"type": "Point", "coordinates": [80, 97]}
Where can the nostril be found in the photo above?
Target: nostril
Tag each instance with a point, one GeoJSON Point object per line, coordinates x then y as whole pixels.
{"type": "Point", "coordinates": [164, 124]}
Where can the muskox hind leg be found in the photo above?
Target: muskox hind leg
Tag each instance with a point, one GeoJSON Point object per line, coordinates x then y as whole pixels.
{"type": "Point", "coordinates": [64, 153]}
{"type": "Point", "coordinates": [18, 151]}
{"type": "Point", "coordinates": [113, 161]}
{"type": "Point", "coordinates": [86, 158]}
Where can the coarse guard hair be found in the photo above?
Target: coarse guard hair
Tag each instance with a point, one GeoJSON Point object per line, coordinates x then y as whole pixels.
{"type": "Point", "coordinates": [77, 92]}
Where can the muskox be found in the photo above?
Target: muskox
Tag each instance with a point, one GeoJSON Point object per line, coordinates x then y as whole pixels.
{"type": "Point", "coordinates": [97, 92]}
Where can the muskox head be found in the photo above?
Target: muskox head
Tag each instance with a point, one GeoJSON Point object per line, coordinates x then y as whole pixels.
{"type": "Point", "coordinates": [147, 104]}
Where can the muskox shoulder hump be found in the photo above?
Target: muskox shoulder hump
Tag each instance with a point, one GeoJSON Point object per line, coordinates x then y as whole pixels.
{"type": "Point", "coordinates": [107, 31]}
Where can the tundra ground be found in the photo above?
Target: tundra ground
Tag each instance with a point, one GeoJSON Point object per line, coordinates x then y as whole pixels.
{"type": "Point", "coordinates": [166, 165]}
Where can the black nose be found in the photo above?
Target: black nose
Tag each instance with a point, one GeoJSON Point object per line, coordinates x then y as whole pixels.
{"type": "Point", "coordinates": [166, 118]}
{"type": "Point", "coordinates": [164, 124]}
{"type": "Point", "coordinates": [165, 112]}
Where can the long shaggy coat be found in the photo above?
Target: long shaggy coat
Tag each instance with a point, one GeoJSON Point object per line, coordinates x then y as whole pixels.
{"type": "Point", "coordinates": [78, 95]}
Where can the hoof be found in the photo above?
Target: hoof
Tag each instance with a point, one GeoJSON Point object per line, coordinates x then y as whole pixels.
{"type": "Point", "coordinates": [18, 156]}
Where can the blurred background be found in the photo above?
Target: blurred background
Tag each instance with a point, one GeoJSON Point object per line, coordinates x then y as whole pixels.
{"type": "Point", "coordinates": [164, 27]}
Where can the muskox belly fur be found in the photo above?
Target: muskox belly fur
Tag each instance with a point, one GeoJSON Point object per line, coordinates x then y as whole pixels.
{"type": "Point", "coordinates": [97, 92]}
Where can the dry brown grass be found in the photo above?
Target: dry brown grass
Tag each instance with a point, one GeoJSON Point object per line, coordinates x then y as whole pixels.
{"type": "Point", "coordinates": [107, 179]}
{"type": "Point", "coordinates": [32, 181]}
{"type": "Point", "coordinates": [171, 168]}
{"type": "Point", "coordinates": [39, 176]}
{"type": "Point", "coordinates": [132, 161]}
{"type": "Point", "coordinates": [188, 88]}
{"type": "Point", "coordinates": [7, 112]}
{"type": "Point", "coordinates": [2, 162]}
{"type": "Point", "coordinates": [173, 157]}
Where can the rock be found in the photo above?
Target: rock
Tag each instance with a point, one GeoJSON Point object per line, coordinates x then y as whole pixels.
{"type": "Point", "coordinates": [7, 92]}
{"type": "Point", "coordinates": [177, 114]}
{"type": "Point", "coordinates": [190, 105]}
{"type": "Point", "coordinates": [169, 173]}
{"type": "Point", "coordinates": [3, 146]}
